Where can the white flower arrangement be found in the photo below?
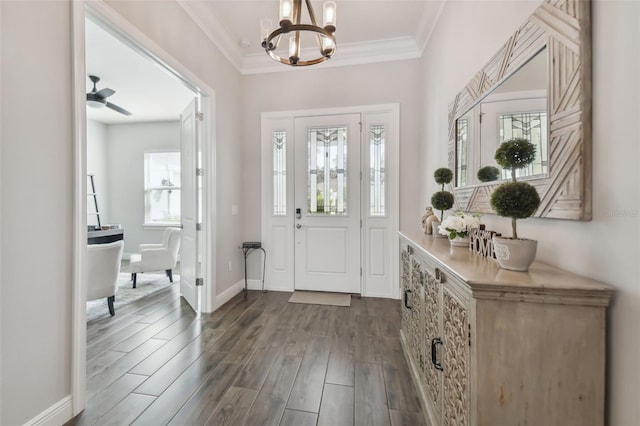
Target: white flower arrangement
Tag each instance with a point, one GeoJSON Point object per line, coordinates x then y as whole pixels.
{"type": "Point", "coordinates": [459, 224]}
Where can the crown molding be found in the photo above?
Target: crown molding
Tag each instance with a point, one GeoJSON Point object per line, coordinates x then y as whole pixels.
{"type": "Point", "coordinates": [347, 54]}
{"type": "Point", "coordinates": [427, 25]}
{"type": "Point", "coordinates": [213, 29]}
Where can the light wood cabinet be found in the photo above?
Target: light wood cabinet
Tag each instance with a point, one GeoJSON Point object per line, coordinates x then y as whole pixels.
{"type": "Point", "coordinates": [487, 346]}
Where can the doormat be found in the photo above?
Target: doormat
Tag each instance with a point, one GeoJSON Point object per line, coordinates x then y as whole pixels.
{"type": "Point", "coordinates": [321, 298]}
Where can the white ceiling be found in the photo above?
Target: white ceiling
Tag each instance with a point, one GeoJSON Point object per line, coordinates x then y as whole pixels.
{"type": "Point", "coordinates": [142, 88]}
{"type": "Point", "coordinates": [367, 31]}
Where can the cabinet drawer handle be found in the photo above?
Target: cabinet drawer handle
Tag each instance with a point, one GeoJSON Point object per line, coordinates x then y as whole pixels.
{"type": "Point", "coordinates": [434, 353]}
{"type": "Point", "coordinates": [406, 299]}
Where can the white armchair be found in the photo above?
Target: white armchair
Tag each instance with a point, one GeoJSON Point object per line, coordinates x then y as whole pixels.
{"type": "Point", "coordinates": [103, 267]}
{"type": "Point", "coordinates": [157, 257]}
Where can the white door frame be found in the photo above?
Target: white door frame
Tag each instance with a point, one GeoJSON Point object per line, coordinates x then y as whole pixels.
{"type": "Point", "coordinates": [282, 279]}
{"type": "Point", "coordinates": [138, 41]}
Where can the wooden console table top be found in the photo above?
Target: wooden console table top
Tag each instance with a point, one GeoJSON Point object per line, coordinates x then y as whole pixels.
{"type": "Point", "coordinates": [486, 279]}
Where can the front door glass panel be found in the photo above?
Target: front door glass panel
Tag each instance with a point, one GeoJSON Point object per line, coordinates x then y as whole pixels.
{"type": "Point", "coordinates": [327, 171]}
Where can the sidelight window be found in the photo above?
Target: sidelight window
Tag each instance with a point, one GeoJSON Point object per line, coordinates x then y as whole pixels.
{"type": "Point", "coordinates": [377, 170]}
{"type": "Point", "coordinates": [279, 138]}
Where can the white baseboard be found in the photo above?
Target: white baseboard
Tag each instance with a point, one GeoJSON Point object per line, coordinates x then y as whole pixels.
{"type": "Point", "coordinates": [228, 294]}
{"type": "Point", "coordinates": [56, 415]}
{"type": "Point", "coordinates": [236, 288]}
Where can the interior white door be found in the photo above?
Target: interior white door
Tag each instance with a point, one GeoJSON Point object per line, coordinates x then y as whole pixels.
{"type": "Point", "coordinates": [189, 205]}
{"type": "Point", "coordinates": [327, 203]}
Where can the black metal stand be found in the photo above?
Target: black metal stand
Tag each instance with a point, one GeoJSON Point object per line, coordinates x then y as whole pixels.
{"type": "Point", "coordinates": [247, 248]}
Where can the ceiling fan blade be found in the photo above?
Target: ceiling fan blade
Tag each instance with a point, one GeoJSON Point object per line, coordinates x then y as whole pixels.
{"type": "Point", "coordinates": [105, 93]}
{"type": "Point", "coordinates": [117, 108]}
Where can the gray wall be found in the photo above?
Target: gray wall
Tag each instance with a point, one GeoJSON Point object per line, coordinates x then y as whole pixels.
{"type": "Point", "coordinates": [36, 247]}
{"type": "Point", "coordinates": [127, 144]}
{"type": "Point", "coordinates": [382, 83]}
{"type": "Point", "coordinates": [606, 248]}
{"type": "Point", "coordinates": [36, 218]}
{"type": "Point", "coordinates": [97, 160]}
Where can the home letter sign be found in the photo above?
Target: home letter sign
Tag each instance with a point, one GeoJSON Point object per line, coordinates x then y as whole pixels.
{"type": "Point", "coordinates": [481, 242]}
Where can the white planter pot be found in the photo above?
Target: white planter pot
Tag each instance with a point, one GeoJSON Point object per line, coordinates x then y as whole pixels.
{"type": "Point", "coordinates": [460, 241]}
{"type": "Point", "coordinates": [515, 255]}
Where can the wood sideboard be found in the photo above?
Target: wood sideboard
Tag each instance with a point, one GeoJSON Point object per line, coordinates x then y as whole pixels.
{"type": "Point", "coordinates": [492, 347]}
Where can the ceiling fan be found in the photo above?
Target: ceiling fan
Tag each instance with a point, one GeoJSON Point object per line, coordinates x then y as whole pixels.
{"type": "Point", "coordinates": [98, 98]}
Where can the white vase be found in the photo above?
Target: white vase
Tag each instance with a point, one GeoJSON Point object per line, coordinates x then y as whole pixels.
{"type": "Point", "coordinates": [515, 255]}
{"type": "Point", "coordinates": [460, 241]}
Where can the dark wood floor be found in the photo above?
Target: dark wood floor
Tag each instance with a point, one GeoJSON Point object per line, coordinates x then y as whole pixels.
{"type": "Point", "coordinates": [256, 361]}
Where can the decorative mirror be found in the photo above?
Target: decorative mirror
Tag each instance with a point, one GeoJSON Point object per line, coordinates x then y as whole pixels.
{"type": "Point", "coordinates": [537, 86]}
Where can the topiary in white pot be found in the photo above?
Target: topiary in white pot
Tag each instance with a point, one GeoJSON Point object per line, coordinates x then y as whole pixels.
{"type": "Point", "coordinates": [517, 200]}
{"type": "Point", "coordinates": [441, 200]}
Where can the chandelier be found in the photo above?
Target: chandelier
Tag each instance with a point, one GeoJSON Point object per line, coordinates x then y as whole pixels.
{"type": "Point", "coordinates": [290, 23]}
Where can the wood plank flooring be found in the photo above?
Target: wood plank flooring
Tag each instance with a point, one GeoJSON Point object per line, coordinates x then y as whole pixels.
{"type": "Point", "coordinates": [258, 360]}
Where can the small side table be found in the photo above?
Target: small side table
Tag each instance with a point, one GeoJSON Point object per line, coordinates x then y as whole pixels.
{"type": "Point", "coordinates": [247, 248]}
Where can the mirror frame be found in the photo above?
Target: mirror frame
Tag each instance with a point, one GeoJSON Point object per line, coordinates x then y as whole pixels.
{"type": "Point", "coordinates": [564, 28]}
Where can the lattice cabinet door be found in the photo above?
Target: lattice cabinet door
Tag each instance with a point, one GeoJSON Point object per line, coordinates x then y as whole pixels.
{"type": "Point", "coordinates": [405, 280]}
{"type": "Point", "coordinates": [432, 376]}
{"type": "Point", "coordinates": [455, 360]}
{"type": "Point", "coordinates": [416, 335]}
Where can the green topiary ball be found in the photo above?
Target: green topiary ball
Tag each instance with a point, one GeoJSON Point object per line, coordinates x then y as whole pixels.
{"type": "Point", "coordinates": [488, 174]}
{"type": "Point", "coordinates": [515, 153]}
{"type": "Point", "coordinates": [443, 175]}
{"type": "Point", "coordinates": [517, 200]}
{"type": "Point", "coordinates": [442, 200]}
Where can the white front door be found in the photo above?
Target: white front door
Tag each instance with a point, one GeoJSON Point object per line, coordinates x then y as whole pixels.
{"type": "Point", "coordinates": [189, 205]}
{"type": "Point", "coordinates": [327, 203]}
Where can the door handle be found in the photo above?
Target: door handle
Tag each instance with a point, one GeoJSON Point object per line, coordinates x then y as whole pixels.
{"type": "Point", "coordinates": [406, 299]}
{"type": "Point", "coordinates": [434, 353]}
{"type": "Point", "coordinates": [298, 226]}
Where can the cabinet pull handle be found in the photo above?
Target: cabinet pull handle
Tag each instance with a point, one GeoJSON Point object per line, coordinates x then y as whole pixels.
{"type": "Point", "coordinates": [406, 299]}
{"type": "Point", "coordinates": [434, 353]}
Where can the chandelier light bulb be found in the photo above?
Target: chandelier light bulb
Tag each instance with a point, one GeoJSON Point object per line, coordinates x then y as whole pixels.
{"type": "Point", "coordinates": [327, 45]}
{"type": "Point", "coordinates": [329, 13]}
{"type": "Point", "coordinates": [265, 28]}
{"type": "Point", "coordinates": [293, 49]}
{"type": "Point", "coordinates": [286, 12]}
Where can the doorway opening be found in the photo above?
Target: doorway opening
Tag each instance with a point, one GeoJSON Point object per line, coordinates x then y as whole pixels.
{"type": "Point", "coordinates": [196, 199]}
{"type": "Point", "coordinates": [140, 162]}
